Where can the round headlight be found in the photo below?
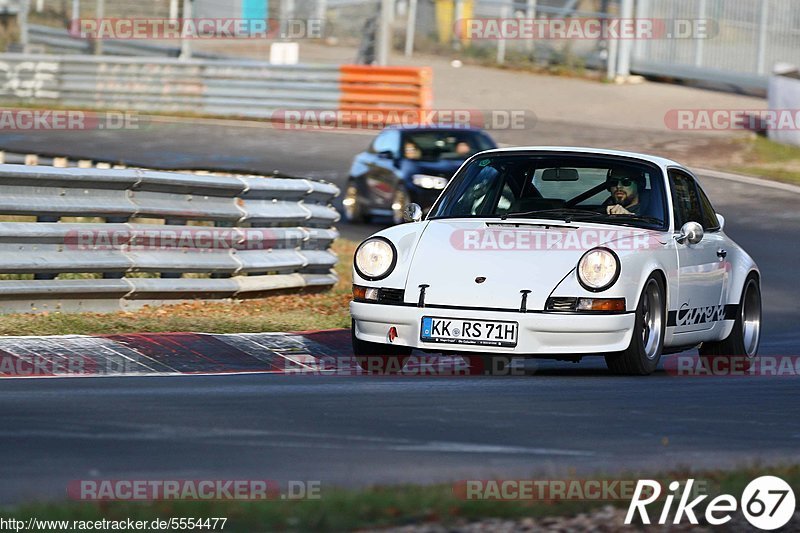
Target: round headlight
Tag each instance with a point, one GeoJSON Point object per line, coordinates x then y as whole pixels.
{"type": "Point", "coordinates": [375, 258]}
{"type": "Point", "coordinates": [598, 269]}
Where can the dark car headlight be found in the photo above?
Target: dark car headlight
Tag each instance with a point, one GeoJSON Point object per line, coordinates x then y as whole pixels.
{"type": "Point", "coordinates": [425, 181]}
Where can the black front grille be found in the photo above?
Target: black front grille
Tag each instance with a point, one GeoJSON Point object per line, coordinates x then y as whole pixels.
{"type": "Point", "coordinates": [561, 304]}
{"type": "Point", "coordinates": [391, 296]}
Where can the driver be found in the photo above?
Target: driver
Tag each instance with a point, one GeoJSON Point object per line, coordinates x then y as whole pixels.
{"type": "Point", "coordinates": [625, 186]}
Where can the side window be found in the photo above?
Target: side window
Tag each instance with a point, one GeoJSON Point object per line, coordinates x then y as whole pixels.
{"type": "Point", "coordinates": [387, 141]}
{"type": "Point", "coordinates": [686, 203]}
{"type": "Point", "coordinates": [709, 222]}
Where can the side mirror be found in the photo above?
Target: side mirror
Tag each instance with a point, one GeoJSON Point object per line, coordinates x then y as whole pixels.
{"type": "Point", "coordinates": [386, 154]}
{"type": "Point", "coordinates": [691, 233]}
{"type": "Point", "coordinates": [721, 220]}
{"type": "Point", "coordinates": [412, 213]}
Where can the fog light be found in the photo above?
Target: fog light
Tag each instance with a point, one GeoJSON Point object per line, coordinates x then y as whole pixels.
{"type": "Point", "coordinates": [601, 304]}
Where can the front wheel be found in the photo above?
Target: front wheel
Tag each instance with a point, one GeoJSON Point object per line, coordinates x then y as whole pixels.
{"type": "Point", "coordinates": [647, 342]}
{"type": "Point", "coordinates": [743, 341]}
{"type": "Point", "coordinates": [399, 202]}
{"type": "Point", "coordinates": [354, 211]}
{"type": "Point", "coordinates": [377, 358]}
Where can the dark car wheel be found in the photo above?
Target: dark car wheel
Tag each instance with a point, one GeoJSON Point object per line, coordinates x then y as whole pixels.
{"type": "Point", "coordinates": [743, 341]}
{"type": "Point", "coordinates": [354, 211]}
{"type": "Point", "coordinates": [647, 342]}
{"type": "Point", "coordinates": [376, 358]}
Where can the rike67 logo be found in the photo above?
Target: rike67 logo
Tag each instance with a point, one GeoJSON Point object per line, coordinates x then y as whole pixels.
{"type": "Point", "coordinates": [767, 503]}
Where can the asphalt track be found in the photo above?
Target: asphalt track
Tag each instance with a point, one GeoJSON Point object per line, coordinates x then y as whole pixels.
{"type": "Point", "coordinates": [564, 419]}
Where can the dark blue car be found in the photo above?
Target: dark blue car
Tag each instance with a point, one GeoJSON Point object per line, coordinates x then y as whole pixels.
{"type": "Point", "coordinates": [407, 164]}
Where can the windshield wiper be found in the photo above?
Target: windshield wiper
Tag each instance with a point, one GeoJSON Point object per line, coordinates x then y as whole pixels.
{"type": "Point", "coordinates": [567, 214]}
{"type": "Point", "coordinates": [643, 218]}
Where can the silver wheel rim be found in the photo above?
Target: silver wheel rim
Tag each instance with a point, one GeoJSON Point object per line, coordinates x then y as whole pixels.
{"type": "Point", "coordinates": [652, 320]}
{"type": "Point", "coordinates": [350, 202]}
{"type": "Point", "coordinates": [398, 203]}
{"type": "Point", "coordinates": [751, 318]}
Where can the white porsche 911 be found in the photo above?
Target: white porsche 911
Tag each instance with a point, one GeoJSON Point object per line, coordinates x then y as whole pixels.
{"type": "Point", "coordinates": [560, 253]}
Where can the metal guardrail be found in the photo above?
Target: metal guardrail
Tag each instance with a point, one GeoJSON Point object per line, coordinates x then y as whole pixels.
{"type": "Point", "coordinates": [59, 41]}
{"type": "Point", "coordinates": [224, 88]}
{"type": "Point", "coordinates": [251, 235]}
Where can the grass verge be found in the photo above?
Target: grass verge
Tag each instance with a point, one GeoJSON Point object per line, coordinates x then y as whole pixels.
{"type": "Point", "coordinates": [344, 510]}
{"type": "Point", "coordinates": [287, 312]}
{"type": "Point", "coordinates": [770, 160]}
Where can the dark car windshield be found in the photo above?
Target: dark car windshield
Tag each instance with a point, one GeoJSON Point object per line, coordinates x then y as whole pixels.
{"type": "Point", "coordinates": [444, 144]}
{"type": "Point", "coordinates": [561, 187]}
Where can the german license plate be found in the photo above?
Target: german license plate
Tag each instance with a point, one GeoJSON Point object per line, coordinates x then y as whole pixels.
{"type": "Point", "coordinates": [468, 331]}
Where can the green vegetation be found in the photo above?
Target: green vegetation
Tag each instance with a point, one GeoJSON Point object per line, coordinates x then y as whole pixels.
{"type": "Point", "coordinates": [770, 160]}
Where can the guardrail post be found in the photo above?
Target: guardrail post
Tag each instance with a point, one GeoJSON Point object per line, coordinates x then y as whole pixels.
{"type": "Point", "coordinates": [186, 43]}
{"type": "Point", "coordinates": [39, 276]}
{"type": "Point", "coordinates": [761, 62]}
{"type": "Point", "coordinates": [384, 33]}
{"type": "Point", "coordinates": [530, 12]}
{"type": "Point", "coordinates": [626, 45]}
{"type": "Point", "coordinates": [22, 22]}
{"type": "Point", "coordinates": [100, 13]}
{"type": "Point", "coordinates": [411, 24]}
{"type": "Point", "coordinates": [501, 43]}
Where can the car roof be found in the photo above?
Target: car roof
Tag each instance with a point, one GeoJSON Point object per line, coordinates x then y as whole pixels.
{"type": "Point", "coordinates": [432, 127]}
{"type": "Point", "coordinates": [583, 151]}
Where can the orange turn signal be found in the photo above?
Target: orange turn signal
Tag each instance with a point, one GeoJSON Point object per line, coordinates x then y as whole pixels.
{"type": "Point", "coordinates": [601, 304]}
{"type": "Point", "coordinates": [359, 293]}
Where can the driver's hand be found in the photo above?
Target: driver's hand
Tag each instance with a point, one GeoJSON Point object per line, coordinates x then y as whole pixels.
{"type": "Point", "coordinates": [617, 210]}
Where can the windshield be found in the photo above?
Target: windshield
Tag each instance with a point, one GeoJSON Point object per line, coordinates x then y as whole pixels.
{"type": "Point", "coordinates": [444, 144]}
{"type": "Point", "coordinates": [562, 187]}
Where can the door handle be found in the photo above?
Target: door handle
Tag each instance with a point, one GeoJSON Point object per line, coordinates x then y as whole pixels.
{"type": "Point", "coordinates": [722, 253]}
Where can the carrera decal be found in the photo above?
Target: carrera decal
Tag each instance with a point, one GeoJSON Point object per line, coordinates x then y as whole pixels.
{"type": "Point", "coordinates": [690, 316]}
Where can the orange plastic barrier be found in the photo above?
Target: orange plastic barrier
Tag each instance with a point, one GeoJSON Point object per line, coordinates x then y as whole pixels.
{"type": "Point", "coordinates": [368, 87]}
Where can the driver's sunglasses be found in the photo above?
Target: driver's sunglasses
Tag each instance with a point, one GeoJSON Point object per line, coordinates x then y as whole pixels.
{"type": "Point", "coordinates": [625, 182]}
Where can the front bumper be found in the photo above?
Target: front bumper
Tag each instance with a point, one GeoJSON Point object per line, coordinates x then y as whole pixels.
{"type": "Point", "coordinates": [539, 333]}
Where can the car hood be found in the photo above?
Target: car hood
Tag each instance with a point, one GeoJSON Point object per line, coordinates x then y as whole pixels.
{"type": "Point", "coordinates": [512, 256]}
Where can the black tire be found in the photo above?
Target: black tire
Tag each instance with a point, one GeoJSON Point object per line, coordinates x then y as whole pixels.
{"type": "Point", "coordinates": [743, 341]}
{"type": "Point", "coordinates": [402, 198]}
{"type": "Point", "coordinates": [377, 358]}
{"type": "Point", "coordinates": [647, 342]}
{"type": "Point", "coordinates": [355, 213]}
